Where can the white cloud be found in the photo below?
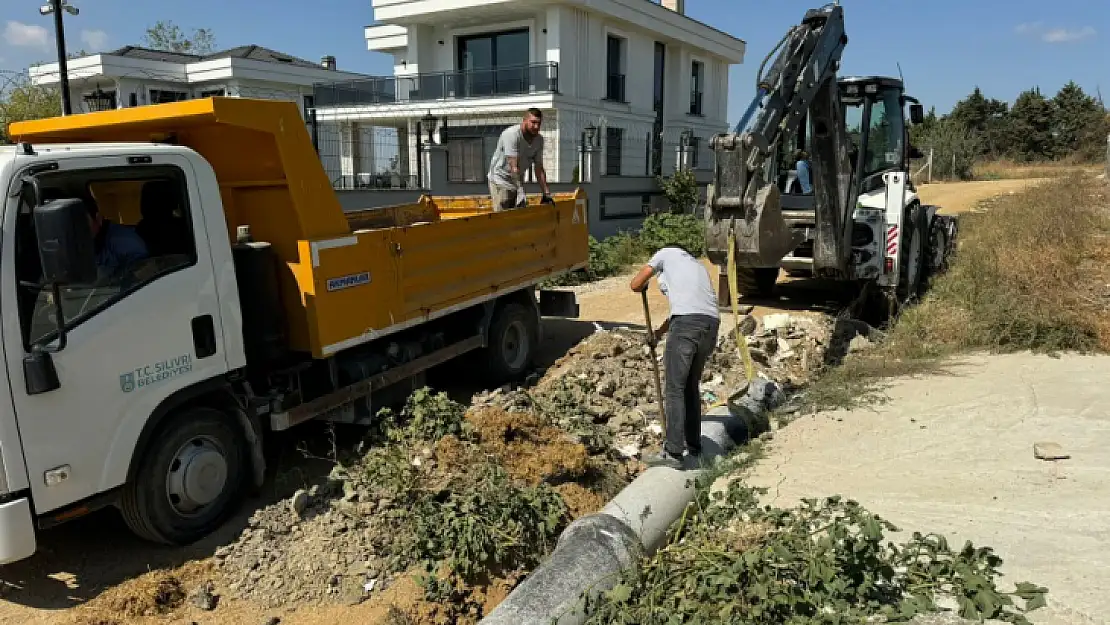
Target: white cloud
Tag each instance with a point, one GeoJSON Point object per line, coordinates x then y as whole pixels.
{"type": "Point", "coordinates": [1063, 35]}
{"type": "Point", "coordinates": [1055, 34]}
{"type": "Point", "coordinates": [26, 35]}
{"type": "Point", "coordinates": [96, 40]}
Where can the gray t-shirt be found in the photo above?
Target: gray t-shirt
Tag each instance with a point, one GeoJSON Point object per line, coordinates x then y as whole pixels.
{"type": "Point", "coordinates": [512, 143]}
{"type": "Point", "coordinates": [685, 282]}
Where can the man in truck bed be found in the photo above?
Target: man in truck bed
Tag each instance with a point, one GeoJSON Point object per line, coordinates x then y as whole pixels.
{"type": "Point", "coordinates": [519, 147]}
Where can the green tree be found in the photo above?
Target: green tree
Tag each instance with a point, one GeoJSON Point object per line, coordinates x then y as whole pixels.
{"type": "Point", "coordinates": [920, 132]}
{"type": "Point", "coordinates": [20, 101]}
{"type": "Point", "coordinates": [1079, 123]}
{"type": "Point", "coordinates": [1033, 117]}
{"type": "Point", "coordinates": [165, 35]}
{"type": "Point", "coordinates": [955, 148]}
{"type": "Point", "coordinates": [986, 117]}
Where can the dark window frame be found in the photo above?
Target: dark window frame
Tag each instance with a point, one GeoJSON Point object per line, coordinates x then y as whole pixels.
{"type": "Point", "coordinates": [697, 88]}
{"type": "Point", "coordinates": [614, 150]}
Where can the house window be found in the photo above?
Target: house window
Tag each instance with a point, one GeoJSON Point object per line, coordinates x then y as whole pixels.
{"type": "Point", "coordinates": [614, 137]}
{"type": "Point", "coordinates": [614, 64]}
{"type": "Point", "coordinates": [466, 160]}
{"type": "Point", "coordinates": [213, 93]}
{"type": "Point", "coordinates": [100, 100]}
{"type": "Point", "coordinates": [697, 87]}
{"type": "Point", "coordinates": [161, 96]}
{"type": "Point", "coordinates": [309, 105]}
{"type": "Point", "coordinates": [695, 149]}
{"type": "Point", "coordinates": [489, 64]}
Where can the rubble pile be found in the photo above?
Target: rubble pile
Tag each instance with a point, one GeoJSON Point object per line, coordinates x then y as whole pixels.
{"type": "Point", "coordinates": [580, 427]}
{"type": "Point", "coordinates": [602, 390]}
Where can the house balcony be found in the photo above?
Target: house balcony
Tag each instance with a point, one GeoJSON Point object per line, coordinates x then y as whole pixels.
{"type": "Point", "coordinates": [505, 80]}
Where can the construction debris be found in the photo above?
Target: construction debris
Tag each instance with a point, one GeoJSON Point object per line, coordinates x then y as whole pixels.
{"type": "Point", "coordinates": [581, 426]}
{"type": "Point", "coordinates": [1049, 451]}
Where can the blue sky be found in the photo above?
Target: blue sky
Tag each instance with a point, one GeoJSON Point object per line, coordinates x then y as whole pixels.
{"type": "Point", "coordinates": [945, 47]}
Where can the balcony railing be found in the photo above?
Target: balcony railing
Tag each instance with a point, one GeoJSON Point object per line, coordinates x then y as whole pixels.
{"type": "Point", "coordinates": [695, 103]}
{"type": "Point", "coordinates": [474, 83]}
{"type": "Point", "coordinates": [614, 88]}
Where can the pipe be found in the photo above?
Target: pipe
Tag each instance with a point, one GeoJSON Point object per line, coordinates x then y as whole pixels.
{"type": "Point", "coordinates": [593, 551]}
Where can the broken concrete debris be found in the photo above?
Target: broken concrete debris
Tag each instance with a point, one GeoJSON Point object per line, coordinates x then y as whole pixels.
{"type": "Point", "coordinates": [337, 541]}
{"type": "Point", "coordinates": [1049, 451]}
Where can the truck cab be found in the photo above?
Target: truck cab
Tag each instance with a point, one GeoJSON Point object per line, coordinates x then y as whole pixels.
{"type": "Point", "coordinates": [90, 363]}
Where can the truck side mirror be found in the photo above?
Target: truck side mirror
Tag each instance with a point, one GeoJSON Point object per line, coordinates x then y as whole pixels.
{"type": "Point", "coordinates": [66, 251]}
{"type": "Point", "coordinates": [917, 114]}
{"type": "Point", "coordinates": [65, 242]}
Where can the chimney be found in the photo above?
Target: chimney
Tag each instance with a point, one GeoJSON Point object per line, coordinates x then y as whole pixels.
{"type": "Point", "coordinates": [328, 62]}
{"type": "Point", "coordinates": [678, 6]}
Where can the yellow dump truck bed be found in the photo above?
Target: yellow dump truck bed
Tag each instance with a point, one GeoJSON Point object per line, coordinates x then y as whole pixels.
{"type": "Point", "coordinates": [352, 277]}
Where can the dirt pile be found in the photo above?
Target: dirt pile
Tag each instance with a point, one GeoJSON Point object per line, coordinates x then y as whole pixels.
{"type": "Point", "coordinates": [602, 391]}
{"type": "Point", "coordinates": [383, 513]}
{"type": "Point", "coordinates": [483, 491]}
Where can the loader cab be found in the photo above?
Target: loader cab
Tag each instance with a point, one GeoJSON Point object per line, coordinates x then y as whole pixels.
{"type": "Point", "coordinates": [877, 128]}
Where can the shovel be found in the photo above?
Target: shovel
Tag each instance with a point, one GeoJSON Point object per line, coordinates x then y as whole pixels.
{"type": "Point", "coordinates": [654, 361]}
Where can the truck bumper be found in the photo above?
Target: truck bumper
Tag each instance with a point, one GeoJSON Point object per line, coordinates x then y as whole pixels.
{"type": "Point", "coordinates": [17, 531]}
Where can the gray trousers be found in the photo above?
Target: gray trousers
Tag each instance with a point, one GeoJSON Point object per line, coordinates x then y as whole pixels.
{"type": "Point", "coordinates": [503, 198]}
{"type": "Point", "coordinates": [690, 341]}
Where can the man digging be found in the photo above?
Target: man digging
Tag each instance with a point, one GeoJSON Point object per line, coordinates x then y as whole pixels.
{"type": "Point", "coordinates": [691, 332]}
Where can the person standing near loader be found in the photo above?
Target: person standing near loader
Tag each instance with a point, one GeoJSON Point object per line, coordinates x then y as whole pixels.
{"type": "Point", "coordinates": [518, 148]}
{"type": "Point", "coordinates": [691, 331]}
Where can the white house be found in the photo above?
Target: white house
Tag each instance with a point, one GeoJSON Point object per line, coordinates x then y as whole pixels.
{"type": "Point", "coordinates": [636, 72]}
{"type": "Point", "coordinates": [135, 76]}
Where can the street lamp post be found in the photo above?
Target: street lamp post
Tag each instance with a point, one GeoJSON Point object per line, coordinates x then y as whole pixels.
{"type": "Point", "coordinates": [56, 7]}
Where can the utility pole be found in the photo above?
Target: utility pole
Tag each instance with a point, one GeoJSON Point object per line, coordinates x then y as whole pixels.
{"type": "Point", "coordinates": [56, 7]}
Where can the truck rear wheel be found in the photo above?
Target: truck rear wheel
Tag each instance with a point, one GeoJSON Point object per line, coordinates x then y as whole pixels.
{"type": "Point", "coordinates": [512, 341]}
{"type": "Point", "coordinates": [189, 479]}
{"type": "Point", "coordinates": [757, 281]}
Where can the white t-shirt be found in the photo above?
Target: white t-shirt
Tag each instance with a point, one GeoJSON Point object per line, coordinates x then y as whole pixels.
{"type": "Point", "coordinates": [685, 282]}
{"type": "Point", "coordinates": [512, 143]}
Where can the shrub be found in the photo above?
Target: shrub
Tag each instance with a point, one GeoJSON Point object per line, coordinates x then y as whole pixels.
{"type": "Point", "coordinates": [681, 190]}
{"type": "Point", "coordinates": [663, 229]}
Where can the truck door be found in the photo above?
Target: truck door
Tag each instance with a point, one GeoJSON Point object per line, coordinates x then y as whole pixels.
{"type": "Point", "coordinates": [148, 328]}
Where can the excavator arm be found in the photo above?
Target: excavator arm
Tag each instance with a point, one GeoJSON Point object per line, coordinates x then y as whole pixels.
{"type": "Point", "coordinates": [801, 81]}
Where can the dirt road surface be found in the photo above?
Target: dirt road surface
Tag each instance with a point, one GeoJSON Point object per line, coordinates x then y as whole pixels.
{"type": "Point", "coordinates": [961, 197]}
{"type": "Point", "coordinates": [954, 454]}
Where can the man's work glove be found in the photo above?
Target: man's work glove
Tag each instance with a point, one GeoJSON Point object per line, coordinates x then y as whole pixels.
{"type": "Point", "coordinates": [547, 199]}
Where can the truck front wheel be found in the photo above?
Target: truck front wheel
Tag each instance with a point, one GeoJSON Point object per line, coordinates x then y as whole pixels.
{"type": "Point", "coordinates": [511, 343]}
{"type": "Point", "coordinates": [190, 478]}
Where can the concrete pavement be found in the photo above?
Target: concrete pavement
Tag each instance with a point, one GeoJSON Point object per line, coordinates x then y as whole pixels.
{"type": "Point", "coordinates": [953, 454]}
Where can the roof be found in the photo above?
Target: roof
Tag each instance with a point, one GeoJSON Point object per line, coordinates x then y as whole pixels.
{"type": "Point", "coordinates": [252, 52]}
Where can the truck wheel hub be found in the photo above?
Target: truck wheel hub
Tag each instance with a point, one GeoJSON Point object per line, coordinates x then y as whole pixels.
{"type": "Point", "coordinates": [514, 344]}
{"type": "Point", "coordinates": [196, 476]}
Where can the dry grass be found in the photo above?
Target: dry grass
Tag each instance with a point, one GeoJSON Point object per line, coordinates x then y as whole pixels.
{"type": "Point", "coordinates": [1031, 273]}
{"type": "Point", "coordinates": [1007, 170]}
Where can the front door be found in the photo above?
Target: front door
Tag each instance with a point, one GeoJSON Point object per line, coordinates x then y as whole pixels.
{"type": "Point", "coordinates": [149, 327]}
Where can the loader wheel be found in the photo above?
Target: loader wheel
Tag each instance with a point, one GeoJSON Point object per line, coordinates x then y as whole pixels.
{"type": "Point", "coordinates": [914, 255]}
{"type": "Point", "coordinates": [758, 281]}
{"type": "Point", "coordinates": [512, 342]}
{"type": "Point", "coordinates": [190, 478]}
{"type": "Point", "coordinates": [938, 249]}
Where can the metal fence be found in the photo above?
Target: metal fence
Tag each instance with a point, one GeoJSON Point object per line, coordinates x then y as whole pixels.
{"type": "Point", "coordinates": [448, 85]}
{"type": "Point", "coordinates": [358, 144]}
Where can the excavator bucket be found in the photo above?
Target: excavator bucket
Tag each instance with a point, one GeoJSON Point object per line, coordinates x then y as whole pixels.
{"type": "Point", "coordinates": [763, 238]}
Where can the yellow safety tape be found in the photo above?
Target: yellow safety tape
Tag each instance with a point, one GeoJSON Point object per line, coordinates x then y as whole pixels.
{"type": "Point", "coordinates": [741, 340]}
